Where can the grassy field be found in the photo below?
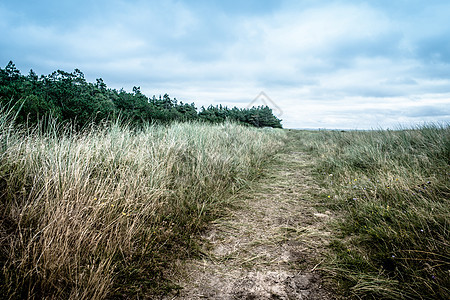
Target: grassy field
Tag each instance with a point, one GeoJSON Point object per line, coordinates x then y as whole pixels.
{"type": "Point", "coordinates": [102, 213]}
{"type": "Point", "coordinates": [392, 191]}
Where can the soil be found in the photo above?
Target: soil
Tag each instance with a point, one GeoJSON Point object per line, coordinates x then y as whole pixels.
{"type": "Point", "coordinates": [270, 245]}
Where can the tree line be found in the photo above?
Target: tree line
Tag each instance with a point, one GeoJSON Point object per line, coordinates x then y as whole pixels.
{"type": "Point", "coordinates": [69, 97]}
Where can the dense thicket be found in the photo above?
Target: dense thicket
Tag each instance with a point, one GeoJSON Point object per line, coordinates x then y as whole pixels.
{"type": "Point", "coordinates": [69, 97]}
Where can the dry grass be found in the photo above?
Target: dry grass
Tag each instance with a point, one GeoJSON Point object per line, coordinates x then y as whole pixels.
{"type": "Point", "coordinates": [101, 213]}
{"type": "Point", "coordinates": [392, 189]}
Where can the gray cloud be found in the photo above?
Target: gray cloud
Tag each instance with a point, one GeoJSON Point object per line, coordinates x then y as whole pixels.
{"type": "Point", "coordinates": [429, 111]}
{"type": "Point", "coordinates": [348, 62]}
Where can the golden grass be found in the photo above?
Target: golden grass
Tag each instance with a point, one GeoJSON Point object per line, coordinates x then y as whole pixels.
{"type": "Point", "coordinates": [101, 213]}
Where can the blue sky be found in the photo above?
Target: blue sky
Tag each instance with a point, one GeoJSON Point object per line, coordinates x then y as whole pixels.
{"type": "Point", "coordinates": [325, 64]}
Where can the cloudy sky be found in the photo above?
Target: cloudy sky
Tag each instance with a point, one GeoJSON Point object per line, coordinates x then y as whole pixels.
{"type": "Point", "coordinates": [324, 64]}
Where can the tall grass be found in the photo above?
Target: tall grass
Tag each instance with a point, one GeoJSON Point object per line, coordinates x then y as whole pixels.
{"type": "Point", "coordinates": [101, 213]}
{"type": "Point", "coordinates": [393, 191]}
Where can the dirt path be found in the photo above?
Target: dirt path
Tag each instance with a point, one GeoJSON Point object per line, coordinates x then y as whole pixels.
{"type": "Point", "coordinates": [270, 246]}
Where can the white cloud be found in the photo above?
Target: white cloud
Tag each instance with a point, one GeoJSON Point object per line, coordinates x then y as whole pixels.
{"type": "Point", "coordinates": [326, 65]}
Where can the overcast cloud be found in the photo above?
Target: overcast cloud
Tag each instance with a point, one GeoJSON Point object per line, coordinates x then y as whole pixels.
{"type": "Point", "coordinates": [326, 64]}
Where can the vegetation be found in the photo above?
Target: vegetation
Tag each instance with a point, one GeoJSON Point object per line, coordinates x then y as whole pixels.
{"type": "Point", "coordinates": [69, 97]}
{"type": "Point", "coordinates": [102, 212]}
{"type": "Point", "coordinates": [94, 208]}
{"type": "Point", "coordinates": [392, 189]}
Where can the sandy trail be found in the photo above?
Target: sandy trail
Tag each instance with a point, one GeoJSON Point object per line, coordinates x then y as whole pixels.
{"type": "Point", "coordinates": [269, 245]}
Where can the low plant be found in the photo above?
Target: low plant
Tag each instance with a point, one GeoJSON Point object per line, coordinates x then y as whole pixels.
{"type": "Point", "coordinates": [103, 212]}
{"type": "Point", "coordinates": [392, 190]}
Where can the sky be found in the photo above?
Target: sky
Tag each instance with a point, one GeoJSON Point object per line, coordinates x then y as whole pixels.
{"type": "Point", "coordinates": [346, 64]}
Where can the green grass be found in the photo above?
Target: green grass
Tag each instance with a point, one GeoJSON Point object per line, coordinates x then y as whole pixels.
{"type": "Point", "coordinates": [102, 213]}
{"type": "Point", "coordinates": [392, 190]}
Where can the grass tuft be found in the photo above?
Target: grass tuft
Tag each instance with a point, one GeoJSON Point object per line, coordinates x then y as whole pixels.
{"type": "Point", "coordinates": [102, 213]}
{"type": "Point", "coordinates": [393, 190]}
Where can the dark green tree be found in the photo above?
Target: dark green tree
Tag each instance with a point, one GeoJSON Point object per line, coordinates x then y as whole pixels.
{"type": "Point", "coordinates": [69, 97]}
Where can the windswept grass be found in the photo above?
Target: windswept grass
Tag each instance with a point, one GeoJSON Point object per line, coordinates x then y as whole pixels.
{"type": "Point", "coordinates": [393, 191]}
{"type": "Point", "coordinates": [101, 213]}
